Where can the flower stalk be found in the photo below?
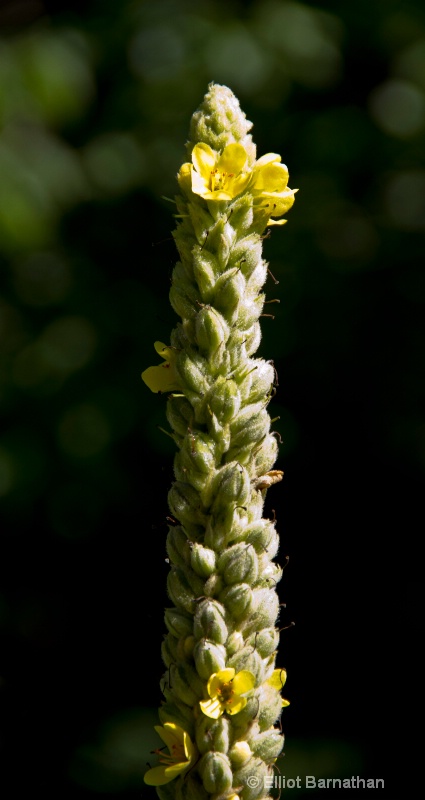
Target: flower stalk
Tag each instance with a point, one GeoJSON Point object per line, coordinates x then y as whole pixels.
{"type": "Point", "coordinates": [222, 690]}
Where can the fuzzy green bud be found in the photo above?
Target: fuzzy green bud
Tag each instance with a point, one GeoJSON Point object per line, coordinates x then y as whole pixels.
{"type": "Point", "coordinates": [268, 745]}
{"type": "Point", "coordinates": [216, 772]}
{"type": "Point", "coordinates": [212, 734]}
{"type": "Point", "coordinates": [239, 564]}
{"type": "Point", "coordinates": [224, 400]}
{"type": "Point", "coordinates": [209, 622]}
{"type": "Point", "coordinates": [209, 658]}
{"type": "Point", "coordinates": [240, 754]}
{"type": "Point", "coordinates": [238, 600]}
{"type": "Point", "coordinates": [178, 622]}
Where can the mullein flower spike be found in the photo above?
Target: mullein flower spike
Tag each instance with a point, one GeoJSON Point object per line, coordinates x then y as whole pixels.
{"type": "Point", "coordinates": [221, 686]}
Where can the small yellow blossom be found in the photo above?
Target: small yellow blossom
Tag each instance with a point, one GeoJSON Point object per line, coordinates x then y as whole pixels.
{"type": "Point", "coordinates": [227, 692]}
{"type": "Point", "coordinates": [163, 378]}
{"type": "Point", "coordinates": [224, 177]}
{"type": "Point", "coordinates": [182, 755]}
{"type": "Point", "coordinates": [269, 185]}
{"type": "Point", "coordinates": [219, 177]}
{"type": "Point", "coordinates": [278, 680]}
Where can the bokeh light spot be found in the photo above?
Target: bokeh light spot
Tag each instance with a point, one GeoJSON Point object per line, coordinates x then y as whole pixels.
{"type": "Point", "coordinates": [114, 162]}
{"type": "Point", "coordinates": [155, 53]}
{"type": "Point", "coordinates": [42, 279]}
{"type": "Point", "coordinates": [410, 63]}
{"type": "Point", "coordinates": [234, 56]}
{"type": "Point", "coordinates": [68, 343]}
{"type": "Point", "coordinates": [398, 108]}
{"type": "Point", "coordinates": [405, 199]}
{"type": "Point", "coordinates": [83, 431]}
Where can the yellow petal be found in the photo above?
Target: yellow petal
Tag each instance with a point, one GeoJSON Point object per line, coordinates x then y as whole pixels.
{"type": "Point", "coordinates": [239, 184]}
{"type": "Point", "coordinates": [171, 734]}
{"type": "Point", "coordinates": [224, 675]}
{"type": "Point", "coordinates": [277, 679]}
{"type": "Point", "coordinates": [160, 379]}
{"type": "Point", "coordinates": [176, 769]}
{"type": "Point", "coordinates": [184, 176]}
{"type": "Point", "coordinates": [200, 185]}
{"type": "Point", "coordinates": [236, 705]}
{"type": "Point", "coordinates": [267, 159]}
{"type": "Point", "coordinates": [285, 703]}
{"type": "Point", "coordinates": [156, 777]}
{"type": "Point", "coordinates": [271, 178]}
{"type": "Point", "coordinates": [204, 159]}
{"type": "Point", "coordinates": [232, 159]}
{"type": "Point", "coordinates": [189, 747]}
{"type": "Point", "coordinates": [211, 708]}
{"type": "Point", "coordinates": [218, 195]}
{"type": "Point", "coordinates": [243, 682]}
{"type": "Point", "coordinates": [277, 222]}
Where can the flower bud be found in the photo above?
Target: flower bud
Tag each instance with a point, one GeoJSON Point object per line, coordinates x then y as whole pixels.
{"type": "Point", "coordinates": [224, 400]}
{"type": "Point", "coordinates": [178, 622]}
{"type": "Point", "coordinates": [238, 600]}
{"type": "Point", "coordinates": [249, 659]}
{"type": "Point", "coordinates": [265, 610]}
{"type": "Point", "coordinates": [265, 642]}
{"type": "Point", "coordinates": [203, 560]}
{"type": "Point", "coordinates": [262, 535]}
{"type": "Point", "coordinates": [231, 485]}
{"type": "Point", "coordinates": [239, 754]}
{"type": "Point", "coordinates": [185, 505]}
{"type": "Point", "coordinates": [212, 331]}
{"type": "Point", "coordinates": [247, 253]}
{"type": "Point", "coordinates": [179, 414]}
{"type": "Point", "coordinates": [180, 591]}
{"type": "Point", "coordinates": [205, 268]}
{"type": "Point", "coordinates": [251, 425]}
{"type": "Point", "coordinates": [209, 658]}
{"type": "Point", "coordinates": [268, 745]}
{"type": "Point", "coordinates": [209, 621]}
{"type": "Point", "coordinates": [252, 789]}
{"type": "Point", "coordinates": [196, 460]}
{"type": "Point", "coordinates": [213, 734]}
{"type": "Point", "coordinates": [234, 643]}
{"type": "Point", "coordinates": [186, 647]}
{"type": "Point", "coordinates": [190, 788]}
{"type": "Point", "coordinates": [177, 712]}
{"type": "Point", "coordinates": [262, 380]}
{"type": "Point", "coordinates": [249, 311]}
{"type": "Point", "coordinates": [270, 706]}
{"type": "Point", "coordinates": [238, 564]}
{"type": "Point", "coordinates": [252, 341]}
{"type": "Point", "coordinates": [186, 684]}
{"type": "Point", "coordinates": [178, 548]}
{"type": "Point", "coordinates": [265, 455]}
{"type": "Point", "coordinates": [191, 369]}
{"type": "Point", "coordinates": [216, 772]}
{"type": "Point", "coordinates": [229, 289]}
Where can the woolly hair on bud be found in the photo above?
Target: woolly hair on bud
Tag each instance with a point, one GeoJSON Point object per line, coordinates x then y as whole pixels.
{"type": "Point", "coordinates": [222, 699]}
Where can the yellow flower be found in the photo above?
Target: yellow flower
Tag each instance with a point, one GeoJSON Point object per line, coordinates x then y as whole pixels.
{"type": "Point", "coordinates": [163, 378]}
{"type": "Point", "coordinates": [182, 755]}
{"type": "Point", "coordinates": [227, 692]}
{"type": "Point", "coordinates": [278, 680]}
{"type": "Point", "coordinates": [218, 177]}
{"type": "Point", "coordinates": [224, 177]}
{"type": "Point", "coordinates": [269, 186]}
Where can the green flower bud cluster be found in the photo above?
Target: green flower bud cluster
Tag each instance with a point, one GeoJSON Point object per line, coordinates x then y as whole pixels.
{"type": "Point", "coordinates": [221, 686]}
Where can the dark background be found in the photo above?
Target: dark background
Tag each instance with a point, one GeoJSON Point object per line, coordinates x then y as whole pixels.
{"type": "Point", "coordinates": [95, 103]}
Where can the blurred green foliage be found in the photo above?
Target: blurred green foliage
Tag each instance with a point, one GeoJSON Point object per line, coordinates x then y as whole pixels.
{"type": "Point", "coordinates": [94, 113]}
